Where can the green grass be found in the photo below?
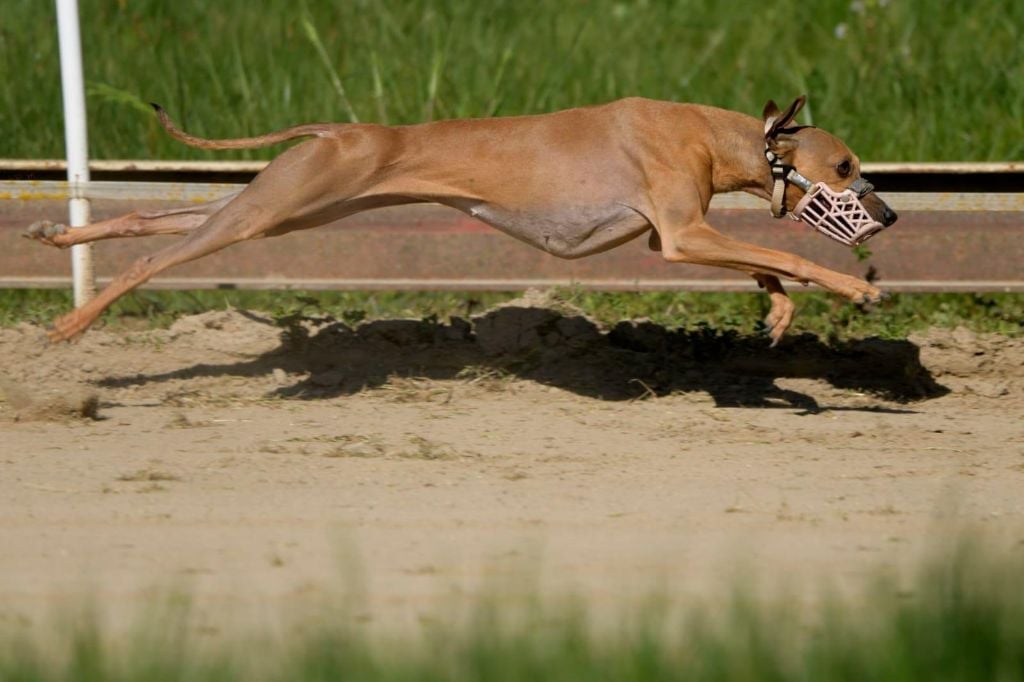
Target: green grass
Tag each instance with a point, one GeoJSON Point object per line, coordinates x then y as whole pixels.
{"type": "Point", "coordinates": [962, 619]}
{"type": "Point", "coordinates": [817, 312]}
{"type": "Point", "coordinates": [907, 79]}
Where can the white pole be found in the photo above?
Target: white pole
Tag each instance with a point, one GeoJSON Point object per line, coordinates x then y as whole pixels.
{"type": "Point", "coordinates": [76, 144]}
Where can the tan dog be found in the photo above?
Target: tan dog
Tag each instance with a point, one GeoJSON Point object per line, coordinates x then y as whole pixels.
{"type": "Point", "coordinates": [573, 183]}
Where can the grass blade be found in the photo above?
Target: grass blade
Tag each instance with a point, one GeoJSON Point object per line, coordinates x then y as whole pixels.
{"type": "Point", "coordinates": [314, 38]}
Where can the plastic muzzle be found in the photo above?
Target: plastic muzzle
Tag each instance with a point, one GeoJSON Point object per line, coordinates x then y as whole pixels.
{"type": "Point", "coordinates": [839, 215]}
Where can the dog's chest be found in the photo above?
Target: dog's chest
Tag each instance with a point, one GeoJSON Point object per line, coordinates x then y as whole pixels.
{"type": "Point", "coordinates": [568, 231]}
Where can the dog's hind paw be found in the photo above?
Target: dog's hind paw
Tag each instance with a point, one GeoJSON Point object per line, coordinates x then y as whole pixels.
{"type": "Point", "coordinates": [45, 231]}
{"type": "Point", "coordinates": [68, 327]}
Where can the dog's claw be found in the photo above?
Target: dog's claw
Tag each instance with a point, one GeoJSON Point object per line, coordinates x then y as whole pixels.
{"type": "Point", "coordinates": [775, 330]}
{"type": "Point", "coordinates": [57, 336]}
{"type": "Point", "coordinates": [775, 334]}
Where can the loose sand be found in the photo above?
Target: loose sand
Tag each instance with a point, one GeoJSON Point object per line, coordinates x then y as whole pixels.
{"type": "Point", "coordinates": [258, 468]}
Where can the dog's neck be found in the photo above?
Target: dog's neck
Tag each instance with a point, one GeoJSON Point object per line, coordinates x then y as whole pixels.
{"type": "Point", "coordinates": [738, 150]}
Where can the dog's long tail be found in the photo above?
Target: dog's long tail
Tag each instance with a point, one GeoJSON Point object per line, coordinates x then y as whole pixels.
{"type": "Point", "coordinates": [318, 129]}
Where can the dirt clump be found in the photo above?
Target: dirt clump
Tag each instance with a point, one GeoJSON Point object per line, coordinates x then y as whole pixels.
{"type": "Point", "coordinates": [49, 404]}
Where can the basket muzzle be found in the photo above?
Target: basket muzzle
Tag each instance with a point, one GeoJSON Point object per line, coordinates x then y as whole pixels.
{"type": "Point", "coordinates": [839, 215]}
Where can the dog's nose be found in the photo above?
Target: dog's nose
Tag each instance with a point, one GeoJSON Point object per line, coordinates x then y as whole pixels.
{"type": "Point", "coordinates": [888, 216]}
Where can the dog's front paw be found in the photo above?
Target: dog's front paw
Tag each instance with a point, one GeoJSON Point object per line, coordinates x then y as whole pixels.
{"type": "Point", "coordinates": [860, 292]}
{"type": "Point", "coordinates": [45, 231]}
{"type": "Point", "coordinates": [875, 295]}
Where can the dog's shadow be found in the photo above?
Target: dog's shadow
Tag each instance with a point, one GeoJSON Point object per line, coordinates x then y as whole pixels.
{"type": "Point", "coordinates": [630, 361]}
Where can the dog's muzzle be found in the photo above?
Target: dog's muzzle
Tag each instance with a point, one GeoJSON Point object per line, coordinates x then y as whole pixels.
{"type": "Point", "coordinates": [838, 215]}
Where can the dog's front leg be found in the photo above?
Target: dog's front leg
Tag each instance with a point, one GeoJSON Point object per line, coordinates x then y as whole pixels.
{"type": "Point", "coordinates": [686, 238]}
{"type": "Point", "coordinates": [699, 243]}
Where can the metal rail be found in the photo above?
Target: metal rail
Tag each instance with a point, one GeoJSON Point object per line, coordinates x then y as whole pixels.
{"type": "Point", "coordinates": [59, 166]}
{"type": "Point", "coordinates": [953, 235]}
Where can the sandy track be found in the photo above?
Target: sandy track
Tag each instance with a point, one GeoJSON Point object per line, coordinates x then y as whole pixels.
{"type": "Point", "coordinates": [256, 467]}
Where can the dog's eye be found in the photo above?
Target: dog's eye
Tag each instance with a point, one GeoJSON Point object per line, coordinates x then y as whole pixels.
{"type": "Point", "coordinates": [844, 169]}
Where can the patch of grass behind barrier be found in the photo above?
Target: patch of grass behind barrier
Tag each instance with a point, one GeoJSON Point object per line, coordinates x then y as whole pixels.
{"type": "Point", "coordinates": [897, 80]}
{"type": "Point", "coordinates": [817, 312]}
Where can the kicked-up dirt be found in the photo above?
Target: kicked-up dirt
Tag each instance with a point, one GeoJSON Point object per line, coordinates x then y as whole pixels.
{"type": "Point", "coordinates": [257, 463]}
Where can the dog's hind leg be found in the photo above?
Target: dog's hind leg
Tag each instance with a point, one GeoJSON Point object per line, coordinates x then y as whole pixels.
{"type": "Point", "coordinates": [292, 186]}
{"type": "Point", "coordinates": [135, 224]}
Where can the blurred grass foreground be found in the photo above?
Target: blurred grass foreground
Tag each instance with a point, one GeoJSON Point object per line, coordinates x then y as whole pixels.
{"type": "Point", "coordinates": [961, 619]}
{"type": "Point", "coordinates": [910, 80]}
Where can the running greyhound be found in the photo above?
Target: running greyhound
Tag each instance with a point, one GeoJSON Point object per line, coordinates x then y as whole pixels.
{"type": "Point", "coordinates": [573, 183]}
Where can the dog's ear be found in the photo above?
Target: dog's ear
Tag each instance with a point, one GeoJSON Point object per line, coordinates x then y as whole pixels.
{"type": "Point", "coordinates": [771, 112]}
{"type": "Point", "coordinates": [774, 120]}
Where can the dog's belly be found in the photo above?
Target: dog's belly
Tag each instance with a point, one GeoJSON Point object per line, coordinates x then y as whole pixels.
{"type": "Point", "coordinates": [566, 231]}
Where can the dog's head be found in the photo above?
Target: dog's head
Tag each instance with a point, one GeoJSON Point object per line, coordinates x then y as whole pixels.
{"type": "Point", "coordinates": [833, 185]}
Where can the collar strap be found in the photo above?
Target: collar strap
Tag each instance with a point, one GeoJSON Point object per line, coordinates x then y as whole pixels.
{"type": "Point", "coordinates": [783, 173]}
